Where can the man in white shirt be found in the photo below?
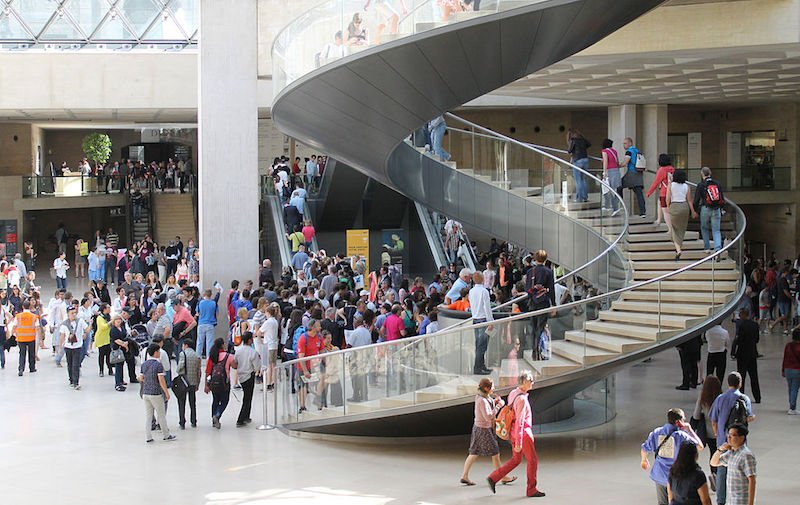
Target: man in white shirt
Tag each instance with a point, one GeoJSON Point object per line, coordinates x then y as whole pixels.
{"type": "Point", "coordinates": [359, 362]}
{"type": "Point", "coordinates": [60, 266]}
{"type": "Point", "coordinates": [718, 343]}
{"type": "Point", "coordinates": [70, 335]}
{"type": "Point", "coordinates": [56, 314]}
{"type": "Point", "coordinates": [269, 331]}
{"type": "Point", "coordinates": [480, 306]}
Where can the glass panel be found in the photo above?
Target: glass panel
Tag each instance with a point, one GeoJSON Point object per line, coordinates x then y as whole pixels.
{"type": "Point", "coordinates": [187, 13]}
{"type": "Point", "coordinates": [165, 28]}
{"type": "Point", "coordinates": [34, 13]}
{"type": "Point", "coordinates": [138, 13]}
{"type": "Point", "coordinates": [62, 29]}
{"type": "Point", "coordinates": [11, 28]}
{"type": "Point", "coordinates": [113, 29]}
{"type": "Point", "coordinates": [87, 13]}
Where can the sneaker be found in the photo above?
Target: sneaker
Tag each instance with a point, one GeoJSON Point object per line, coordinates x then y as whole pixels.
{"type": "Point", "coordinates": [793, 412]}
{"type": "Point", "coordinates": [101, 374]}
{"type": "Point", "coordinates": [215, 422]}
{"type": "Point", "coordinates": [20, 374]}
{"type": "Point", "coordinates": [712, 482]}
{"type": "Point", "coordinates": [77, 387]}
{"type": "Point", "coordinates": [616, 212]}
{"type": "Point", "coordinates": [149, 440]}
{"type": "Point", "coordinates": [170, 438]}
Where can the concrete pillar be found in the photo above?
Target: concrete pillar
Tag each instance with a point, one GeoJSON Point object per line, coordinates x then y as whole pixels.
{"type": "Point", "coordinates": [622, 123]}
{"type": "Point", "coordinates": [652, 142]}
{"type": "Point", "coordinates": [228, 142]}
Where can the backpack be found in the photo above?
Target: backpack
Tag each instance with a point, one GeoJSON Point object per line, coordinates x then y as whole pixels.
{"type": "Point", "coordinates": [538, 293]}
{"type": "Point", "coordinates": [505, 420]}
{"type": "Point", "coordinates": [713, 194]}
{"type": "Point", "coordinates": [641, 162]}
{"type": "Point", "coordinates": [737, 414]}
{"type": "Point", "coordinates": [219, 376]}
{"type": "Point", "coordinates": [237, 334]}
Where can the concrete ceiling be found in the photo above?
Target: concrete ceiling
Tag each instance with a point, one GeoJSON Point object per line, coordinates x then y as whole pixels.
{"type": "Point", "coordinates": [45, 116]}
{"type": "Point", "coordinates": [770, 73]}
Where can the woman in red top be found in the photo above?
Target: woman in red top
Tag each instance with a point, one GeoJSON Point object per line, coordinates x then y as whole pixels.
{"type": "Point", "coordinates": [664, 169]}
{"type": "Point", "coordinates": [791, 370]}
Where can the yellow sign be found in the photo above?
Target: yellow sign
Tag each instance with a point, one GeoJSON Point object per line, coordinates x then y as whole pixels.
{"type": "Point", "coordinates": [358, 243]}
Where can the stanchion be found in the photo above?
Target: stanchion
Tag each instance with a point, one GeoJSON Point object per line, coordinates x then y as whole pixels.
{"type": "Point", "coordinates": [265, 425]}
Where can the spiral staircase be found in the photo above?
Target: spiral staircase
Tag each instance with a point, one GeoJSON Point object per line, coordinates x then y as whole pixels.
{"type": "Point", "coordinates": [362, 108]}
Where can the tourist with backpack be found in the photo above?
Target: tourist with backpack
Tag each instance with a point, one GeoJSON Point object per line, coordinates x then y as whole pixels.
{"type": "Point", "coordinates": [483, 441]}
{"type": "Point", "coordinates": [521, 437]}
{"type": "Point", "coordinates": [633, 178]}
{"type": "Point", "coordinates": [709, 199]}
{"type": "Point", "coordinates": [540, 286]}
{"type": "Point", "coordinates": [218, 379]}
{"type": "Point", "coordinates": [664, 442]}
{"type": "Point", "coordinates": [731, 407]}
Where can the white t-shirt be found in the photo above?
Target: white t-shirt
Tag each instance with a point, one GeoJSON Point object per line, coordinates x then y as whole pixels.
{"type": "Point", "coordinates": [270, 331]}
{"type": "Point", "coordinates": [64, 333]}
{"type": "Point", "coordinates": [679, 192]}
{"type": "Point", "coordinates": [60, 266]}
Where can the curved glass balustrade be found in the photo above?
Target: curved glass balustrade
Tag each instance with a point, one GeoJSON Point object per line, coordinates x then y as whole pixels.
{"type": "Point", "coordinates": [310, 41]}
{"type": "Point", "coordinates": [421, 370]}
{"type": "Point", "coordinates": [544, 179]}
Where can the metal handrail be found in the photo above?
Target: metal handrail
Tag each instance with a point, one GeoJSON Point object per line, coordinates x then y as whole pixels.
{"type": "Point", "coordinates": [623, 232]}
{"type": "Point", "coordinates": [570, 305]}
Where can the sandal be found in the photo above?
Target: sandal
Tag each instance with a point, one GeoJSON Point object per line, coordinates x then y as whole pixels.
{"type": "Point", "coordinates": [509, 481]}
{"type": "Point", "coordinates": [467, 482]}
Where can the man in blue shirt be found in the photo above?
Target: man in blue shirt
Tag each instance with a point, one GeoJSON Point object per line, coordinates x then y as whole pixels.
{"type": "Point", "coordinates": [633, 179]}
{"type": "Point", "coordinates": [720, 410]}
{"type": "Point", "coordinates": [462, 282]}
{"type": "Point", "coordinates": [300, 258]}
{"type": "Point", "coordinates": [207, 320]}
{"type": "Point", "coordinates": [664, 442]}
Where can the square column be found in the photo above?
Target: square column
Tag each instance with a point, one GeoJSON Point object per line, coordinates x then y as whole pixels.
{"type": "Point", "coordinates": [228, 142]}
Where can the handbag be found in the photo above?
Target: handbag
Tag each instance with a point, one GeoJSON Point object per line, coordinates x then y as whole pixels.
{"type": "Point", "coordinates": [117, 356]}
{"type": "Point", "coordinates": [180, 385]}
{"type": "Point", "coordinates": [699, 426]}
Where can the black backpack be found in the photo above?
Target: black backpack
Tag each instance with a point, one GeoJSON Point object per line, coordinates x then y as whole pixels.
{"type": "Point", "coordinates": [219, 375]}
{"type": "Point", "coordinates": [737, 415]}
{"type": "Point", "coordinates": [539, 295]}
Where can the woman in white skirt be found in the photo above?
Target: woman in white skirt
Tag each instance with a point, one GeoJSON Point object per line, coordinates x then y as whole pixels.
{"type": "Point", "coordinates": [483, 442]}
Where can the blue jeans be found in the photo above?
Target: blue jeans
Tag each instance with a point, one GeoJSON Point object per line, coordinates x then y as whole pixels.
{"type": "Point", "coordinates": [709, 225]}
{"type": "Point", "coordinates": [219, 401]}
{"type": "Point", "coordinates": [205, 339]}
{"type": "Point", "coordinates": [581, 192]}
{"type": "Point", "coordinates": [722, 474]}
{"type": "Point", "coordinates": [61, 283]}
{"type": "Point", "coordinates": [437, 135]}
{"type": "Point", "coordinates": [793, 380]}
{"type": "Point", "coordinates": [481, 344]}
{"type": "Point", "coordinates": [87, 343]}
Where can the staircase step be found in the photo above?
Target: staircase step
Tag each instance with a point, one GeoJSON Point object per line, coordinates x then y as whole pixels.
{"type": "Point", "coordinates": [640, 228]}
{"type": "Point", "coordinates": [527, 190]}
{"type": "Point", "coordinates": [502, 184]}
{"type": "Point", "coordinates": [691, 255]}
{"type": "Point", "coordinates": [465, 15]}
{"type": "Point", "coordinates": [691, 286]}
{"type": "Point", "coordinates": [648, 333]}
{"type": "Point", "coordinates": [665, 246]}
{"type": "Point", "coordinates": [437, 393]}
{"type": "Point", "coordinates": [684, 309]}
{"type": "Point", "coordinates": [674, 265]}
{"type": "Point", "coordinates": [617, 220]}
{"type": "Point", "coordinates": [429, 25]}
{"type": "Point", "coordinates": [602, 341]}
{"type": "Point", "coordinates": [694, 275]}
{"type": "Point", "coordinates": [652, 318]}
{"type": "Point", "coordinates": [580, 353]}
{"type": "Point", "coordinates": [701, 298]}
{"type": "Point", "coordinates": [556, 365]}
{"type": "Point", "coordinates": [659, 236]}
{"type": "Point", "coordinates": [451, 164]}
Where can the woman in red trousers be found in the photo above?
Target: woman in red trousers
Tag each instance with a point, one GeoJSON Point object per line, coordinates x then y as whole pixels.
{"type": "Point", "coordinates": [521, 437]}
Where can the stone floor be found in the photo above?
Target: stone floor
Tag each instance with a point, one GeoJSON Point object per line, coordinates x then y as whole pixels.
{"type": "Point", "coordinates": [87, 446]}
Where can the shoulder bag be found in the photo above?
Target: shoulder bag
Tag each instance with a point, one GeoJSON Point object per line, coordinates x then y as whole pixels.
{"type": "Point", "coordinates": [180, 385]}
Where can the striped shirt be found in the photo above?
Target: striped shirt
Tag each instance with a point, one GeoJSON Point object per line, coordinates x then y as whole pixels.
{"type": "Point", "coordinates": [741, 464]}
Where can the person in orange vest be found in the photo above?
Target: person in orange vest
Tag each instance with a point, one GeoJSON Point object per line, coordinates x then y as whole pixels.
{"type": "Point", "coordinates": [25, 331]}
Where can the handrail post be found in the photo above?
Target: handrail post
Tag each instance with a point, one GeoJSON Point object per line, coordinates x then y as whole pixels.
{"type": "Point", "coordinates": [264, 398]}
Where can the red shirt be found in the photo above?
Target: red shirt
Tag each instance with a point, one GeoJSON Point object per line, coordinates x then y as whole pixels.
{"type": "Point", "coordinates": [182, 314]}
{"type": "Point", "coordinates": [393, 326]}
{"type": "Point", "coordinates": [308, 346]}
{"type": "Point", "coordinates": [308, 233]}
{"type": "Point", "coordinates": [791, 356]}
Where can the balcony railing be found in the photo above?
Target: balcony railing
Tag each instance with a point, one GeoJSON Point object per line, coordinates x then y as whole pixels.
{"type": "Point", "coordinates": [40, 186]}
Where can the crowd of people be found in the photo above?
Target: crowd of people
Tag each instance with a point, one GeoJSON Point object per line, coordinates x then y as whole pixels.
{"type": "Point", "coordinates": [129, 174]}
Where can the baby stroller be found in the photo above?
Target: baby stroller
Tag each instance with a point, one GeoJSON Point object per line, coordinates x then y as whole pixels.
{"type": "Point", "coordinates": [139, 339]}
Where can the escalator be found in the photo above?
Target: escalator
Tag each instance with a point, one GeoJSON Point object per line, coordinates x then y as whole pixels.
{"type": "Point", "coordinates": [361, 109]}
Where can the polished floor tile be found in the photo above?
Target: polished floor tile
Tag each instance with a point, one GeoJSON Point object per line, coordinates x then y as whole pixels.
{"type": "Point", "coordinates": [79, 447]}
